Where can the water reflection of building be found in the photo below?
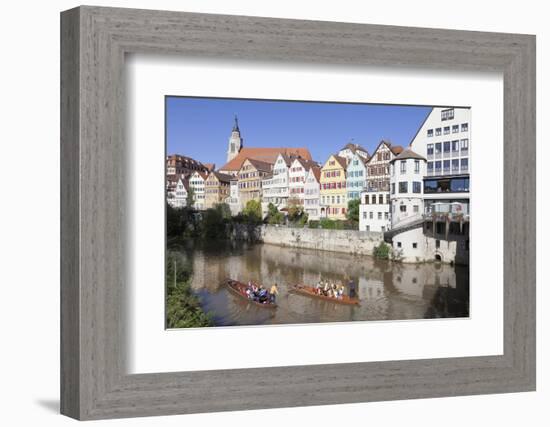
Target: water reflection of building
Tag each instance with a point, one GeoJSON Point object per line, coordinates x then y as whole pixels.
{"type": "Point", "coordinates": [386, 290]}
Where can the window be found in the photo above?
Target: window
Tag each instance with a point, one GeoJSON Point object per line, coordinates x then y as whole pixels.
{"type": "Point", "coordinates": [455, 128]}
{"type": "Point", "coordinates": [454, 165]}
{"type": "Point", "coordinates": [454, 146]}
{"type": "Point", "coordinates": [430, 149]}
{"type": "Point", "coordinates": [430, 167]}
{"type": "Point", "coordinates": [447, 147]}
{"type": "Point", "coordinates": [417, 166]}
{"type": "Point", "coordinates": [370, 215]}
{"type": "Point", "coordinates": [446, 130]}
{"type": "Point", "coordinates": [387, 199]}
{"type": "Point", "coordinates": [463, 165]}
{"type": "Point", "coordinates": [379, 215]}
{"type": "Point", "coordinates": [446, 185]}
{"type": "Point", "coordinates": [381, 199]}
{"type": "Point", "coordinates": [464, 145]}
{"type": "Point", "coordinates": [437, 244]}
{"type": "Point", "coordinates": [386, 216]}
{"type": "Point", "coordinates": [464, 127]}
{"type": "Point", "coordinates": [448, 114]}
{"type": "Point", "coordinates": [416, 208]}
{"type": "Point", "coordinates": [398, 244]}
{"type": "Point", "coordinates": [403, 208]}
{"type": "Point", "coordinates": [430, 133]}
{"type": "Point", "coordinates": [438, 167]}
{"type": "Point", "coordinates": [393, 188]}
{"type": "Point", "coordinates": [438, 131]}
{"type": "Point", "coordinates": [438, 148]}
{"type": "Point", "coordinates": [403, 166]}
{"type": "Point", "coordinates": [367, 199]}
{"type": "Point", "coordinates": [364, 215]}
{"type": "Point", "coordinates": [417, 187]}
{"type": "Point", "coordinates": [446, 166]}
{"type": "Point", "coordinates": [403, 187]}
{"type": "Point", "coordinates": [414, 245]}
{"type": "Point", "coordinates": [373, 199]}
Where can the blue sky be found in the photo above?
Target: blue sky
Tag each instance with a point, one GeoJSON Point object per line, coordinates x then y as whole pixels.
{"type": "Point", "coordinates": [200, 127]}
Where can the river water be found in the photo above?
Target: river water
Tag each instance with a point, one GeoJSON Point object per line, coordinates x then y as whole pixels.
{"type": "Point", "coordinates": [387, 291]}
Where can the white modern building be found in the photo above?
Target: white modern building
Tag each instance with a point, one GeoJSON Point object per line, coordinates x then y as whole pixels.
{"type": "Point", "coordinates": [196, 184]}
{"type": "Point", "coordinates": [374, 211]}
{"type": "Point", "coordinates": [312, 193]}
{"type": "Point", "coordinates": [406, 193]}
{"type": "Point", "coordinates": [444, 140]}
{"type": "Point", "coordinates": [407, 205]}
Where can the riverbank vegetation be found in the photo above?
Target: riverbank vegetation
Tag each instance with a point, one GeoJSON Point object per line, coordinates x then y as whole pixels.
{"type": "Point", "coordinates": [183, 309]}
{"type": "Point", "coordinates": [218, 222]}
{"type": "Point", "coordinates": [382, 251]}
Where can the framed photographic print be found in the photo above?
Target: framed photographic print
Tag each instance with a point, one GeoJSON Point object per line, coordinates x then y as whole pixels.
{"type": "Point", "coordinates": [324, 212]}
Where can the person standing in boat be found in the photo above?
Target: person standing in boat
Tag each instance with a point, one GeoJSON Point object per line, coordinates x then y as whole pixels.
{"type": "Point", "coordinates": [352, 289]}
{"type": "Point", "coordinates": [273, 292]}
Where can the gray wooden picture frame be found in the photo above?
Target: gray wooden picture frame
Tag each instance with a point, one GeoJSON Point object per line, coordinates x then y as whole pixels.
{"type": "Point", "coordinates": [94, 41]}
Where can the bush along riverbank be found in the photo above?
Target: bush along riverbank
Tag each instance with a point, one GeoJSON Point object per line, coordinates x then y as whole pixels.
{"type": "Point", "coordinates": [183, 309]}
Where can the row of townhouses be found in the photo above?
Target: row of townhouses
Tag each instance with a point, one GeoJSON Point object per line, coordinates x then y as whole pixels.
{"type": "Point", "coordinates": [399, 189]}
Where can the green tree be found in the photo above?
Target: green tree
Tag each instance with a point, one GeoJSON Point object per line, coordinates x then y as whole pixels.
{"type": "Point", "coordinates": [295, 210]}
{"type": "Point", "coordinates": [214, 224]}
{"type": "Point", "coordinates": [190, 197]}
{"type": "Point", "coordinates": [224, 210]}
{"type": "Point", "coordinates": [183, 309]}
{"type": "Point", "coordinates": [382, 251]}
{"type": "Point", "coordinates": [353, 210]}
{"type": "Point", "coordinates": [253, 211]}
{"type": "Point", "coordinates": [327, 223]}
{"type": "Point", "coordinates": [274, 216]}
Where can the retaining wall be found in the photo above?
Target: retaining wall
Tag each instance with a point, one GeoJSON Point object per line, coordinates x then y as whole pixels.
{"type": "Point", "coordinates": [346, 241]}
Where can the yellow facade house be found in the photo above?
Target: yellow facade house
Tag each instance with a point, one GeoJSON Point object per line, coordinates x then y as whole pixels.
{"type": "Point", "coordinates": [250, 179]}
{"type": "Point", "coordinates": [333, 188]}
{"type": "Point", "coordinates": [216, 189]}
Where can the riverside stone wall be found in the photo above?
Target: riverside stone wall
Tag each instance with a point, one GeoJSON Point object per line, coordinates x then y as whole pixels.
{"type": "Point", "coordinates": [345, 241]}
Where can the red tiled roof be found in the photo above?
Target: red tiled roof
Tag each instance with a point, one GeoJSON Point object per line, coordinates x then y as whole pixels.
{"type": "Point", "coordinates": [223, 176]}
{"type": "Point", "coordinates": [407, 154]}
{"type": "Point", "coordinates": [396, 149]}
{"type": "Point", "coordinates": [354, 147]}
{"type": "Point", "coordinates": [342, 160]}
{"type": "Point", "coordinates": [264, 154]}
{"type": "Point", "coordinates": [260, 165]}
{"type": "Point", "coordinates": [316, 172]}
{"type": "Point", "coordinates": [307, 164]}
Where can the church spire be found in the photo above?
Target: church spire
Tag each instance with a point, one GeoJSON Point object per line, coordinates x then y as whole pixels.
{"type": "Point", "coordinates": [235, 141]}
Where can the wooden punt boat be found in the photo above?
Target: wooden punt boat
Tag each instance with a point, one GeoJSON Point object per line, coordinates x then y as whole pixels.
{"type": "Point", "coordinates": [310, 291]}
{"type": "Point", "coordinates": [239, 288]}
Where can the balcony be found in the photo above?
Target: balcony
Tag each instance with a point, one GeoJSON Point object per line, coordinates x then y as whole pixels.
{"type": "Point", "coordinates": [448, 211]}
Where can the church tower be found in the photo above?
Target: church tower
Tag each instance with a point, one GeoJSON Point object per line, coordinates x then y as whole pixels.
{"type": "Point", "coordinates": [235, 141]}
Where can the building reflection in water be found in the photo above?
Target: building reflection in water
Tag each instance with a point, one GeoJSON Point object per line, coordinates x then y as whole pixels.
{"type": "Point", "coordinates": [387, 291]}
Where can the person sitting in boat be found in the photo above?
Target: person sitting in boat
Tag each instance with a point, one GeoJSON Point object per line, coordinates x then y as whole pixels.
{"type": "Point", "coordinates": [326, 288]}
{"type": "Point", "coordinates": [262, 295]}
{"type": "Point", "coordinates": [249, 293]}
{"type": "Point", "coordinates": [273, 292]}
{"type": "Point", "coordinates": [340, 291]}
{"type": "Point", "coordinates": [318, 287]}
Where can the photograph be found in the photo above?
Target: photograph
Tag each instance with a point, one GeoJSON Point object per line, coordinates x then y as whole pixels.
{"type": "Point", "coordinates": [300, 212]}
